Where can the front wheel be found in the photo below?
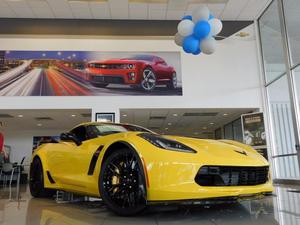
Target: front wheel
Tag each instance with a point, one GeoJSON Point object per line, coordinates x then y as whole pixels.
{"type": "Point", "coordinates": [36, 184]}
{"type": "Point", "coordinates": [148, 80]}
{"type": "Point", "coordinates": [122, 183]}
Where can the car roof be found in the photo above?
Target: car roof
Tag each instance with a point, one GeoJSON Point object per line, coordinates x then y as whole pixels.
{"type": "Point", "coordinates": [99, 123]}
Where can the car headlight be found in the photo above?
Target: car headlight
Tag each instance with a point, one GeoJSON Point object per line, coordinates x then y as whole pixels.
{"type": "Point", "coordinates": [165, 143]}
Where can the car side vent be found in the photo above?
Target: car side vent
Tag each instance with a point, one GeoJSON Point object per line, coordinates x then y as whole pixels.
{"type": "Point", "coordinates": [157, 117]}
{"type": "Point", "coordinates": [43, 118]}
{"type": "Point", "coordinates": [201, 114]}
{"type": "Point", "coordinates": [6, 116]}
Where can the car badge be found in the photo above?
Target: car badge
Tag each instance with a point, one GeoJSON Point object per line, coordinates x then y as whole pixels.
{"type": "Point", "coordinates": [241, 152]}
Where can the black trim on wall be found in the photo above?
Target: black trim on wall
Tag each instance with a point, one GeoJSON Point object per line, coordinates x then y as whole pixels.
{"type": "Point", "coordinates": [13, 26]}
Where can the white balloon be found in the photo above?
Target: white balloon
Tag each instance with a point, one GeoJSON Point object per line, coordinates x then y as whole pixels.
{"type": "Point", "coordinates": [185, 28]}
{"type": "Point", "coordinates": [201, 13]}
{"type": "Point", "coordinates": [208, 45]}
{"type": "Point", "coordinates": [178, 39]}
{"type": "Point", "coordinates": [215, 26]}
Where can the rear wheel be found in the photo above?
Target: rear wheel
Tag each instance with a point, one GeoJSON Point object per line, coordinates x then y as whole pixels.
{"type": "Point", "coordinates": [122, 183]}
{"type": "Point", "coordinates": [36, 183]}
{"type": "Point", "coordinates": [173, 83]}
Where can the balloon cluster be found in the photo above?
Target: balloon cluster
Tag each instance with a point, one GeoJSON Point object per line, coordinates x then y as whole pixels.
{"type": "Point", "coordinates": [196, 33]}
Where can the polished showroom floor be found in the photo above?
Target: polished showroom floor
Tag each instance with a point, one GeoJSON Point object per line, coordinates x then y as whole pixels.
{"type": "Point", "coordinates": [283, 209]}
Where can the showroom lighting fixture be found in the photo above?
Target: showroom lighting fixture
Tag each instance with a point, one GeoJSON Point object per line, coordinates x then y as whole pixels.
{"type": "Point", "coordinates": [175, 114]}
{"type": "Point", "coordinates": [166, 128]}
{"type": "Point", "coordinates": [204, 128]}
{"type": "Point", "coordinates": [225, 114]}
{"type": "Point", "coordinates": [73, 115]}
{"type": "Point", "coordinates": [125, 115]}
{"type": "Point", "coordinates": [169, 124]}
{"type": "Point", "coordinates": [20, 116]}
{"type": "Point", "coordinates": [212, 123]}
{"type": "Point", "coordinates": [39, 124]}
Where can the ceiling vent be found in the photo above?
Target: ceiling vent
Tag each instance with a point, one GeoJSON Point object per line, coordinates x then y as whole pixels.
{"type": "Point", "coordinates": [43, 118]}
{"type": "Point", "coordinates": [6, 116]}
{"type": "Point", "coordinates": [86, 115]}
{"type": "Point", "coordinates": [157, 117]}
{"type": "Point", "coordinates": [201, 114]}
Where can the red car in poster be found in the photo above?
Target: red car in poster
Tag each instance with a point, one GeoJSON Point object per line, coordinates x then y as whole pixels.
{"type": "Point", "coordinates": [142, 71]}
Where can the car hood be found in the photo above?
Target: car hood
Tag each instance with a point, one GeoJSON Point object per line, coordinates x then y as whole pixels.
{"type": "Point", "coordinates": [229, 152]}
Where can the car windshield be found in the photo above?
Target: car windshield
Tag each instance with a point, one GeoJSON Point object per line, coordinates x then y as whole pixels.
{"type": "Point", "coordinates": [106, 129]}
{"type": "Point", "coordinates": [142, 57]}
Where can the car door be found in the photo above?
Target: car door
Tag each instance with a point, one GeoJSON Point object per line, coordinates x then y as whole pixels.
{"type": "Point", "coordinates": [162, 69]}
{"type": "Point", "coordinates": [76, 160]}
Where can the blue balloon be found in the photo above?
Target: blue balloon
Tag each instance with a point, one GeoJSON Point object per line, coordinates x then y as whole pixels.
{"type": "Point", "coordinates": [201, 29]}
{"type": "Point", "coordinates": [187, 17]}
{"type": "Point", "coordinates": [210, 17]}
{"type": "Point", "coordinates": [190, 44]}
{"type": "Point", "coordinates": [197, 52]}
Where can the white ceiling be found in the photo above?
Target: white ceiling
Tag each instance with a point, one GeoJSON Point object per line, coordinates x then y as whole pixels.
{"type": "Point", "coordinates": [129, 9]}
{"type": "Point", "coordinates": [62, 119]}
{"type": "Point", "coordinates": [173, 121]}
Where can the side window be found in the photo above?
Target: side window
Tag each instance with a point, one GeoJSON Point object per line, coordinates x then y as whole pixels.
{"type": "Point", "coordinates": [80, 133]}
{"type": "Point", "coordinates": [92, 132]}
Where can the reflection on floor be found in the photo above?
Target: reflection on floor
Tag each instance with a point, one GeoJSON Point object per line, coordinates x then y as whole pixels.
{"type": "Point", "coordinates": [283, 209]}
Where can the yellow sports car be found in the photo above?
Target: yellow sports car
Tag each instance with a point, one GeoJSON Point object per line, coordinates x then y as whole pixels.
{"type": "Point", "coordinates": [131, 167]}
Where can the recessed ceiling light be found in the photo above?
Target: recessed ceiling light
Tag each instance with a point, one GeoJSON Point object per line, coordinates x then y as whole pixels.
{"type": "Point", "coordinates": [39, 124]}
{"type": "Point", "coordinates": [125, 115]}
{"type": "Point", "coordinates": [166, 128]}
{"type": "Point", "coordinates": [211, 123]}
{"type": "Point", "coordinates": [73, 115]}
{"type": "Point", "coordinates": [169, 124]}
{"type": "Point", "coordinates": [204, 128]}
{"type": "Point", "coordinates": [20, 116]}
{"type": "Point", "coordinates": [175, 114]}
{"type": "Point", "coordinates": [225, 114]}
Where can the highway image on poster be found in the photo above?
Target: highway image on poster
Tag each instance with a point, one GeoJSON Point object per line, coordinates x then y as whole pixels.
{"type": "Point", "coordinates": [89, 73]}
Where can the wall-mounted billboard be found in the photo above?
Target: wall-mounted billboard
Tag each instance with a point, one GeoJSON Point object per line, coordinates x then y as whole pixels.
{"type": "Point", "coordinates": [89, 73]}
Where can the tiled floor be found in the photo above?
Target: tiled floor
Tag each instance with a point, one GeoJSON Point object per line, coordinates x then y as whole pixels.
{"type": "Point", "coordinates": [283, 209]}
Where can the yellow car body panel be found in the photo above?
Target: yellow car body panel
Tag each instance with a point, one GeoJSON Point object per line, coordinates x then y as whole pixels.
{"type": "Point", "coordinates": [170, 174]}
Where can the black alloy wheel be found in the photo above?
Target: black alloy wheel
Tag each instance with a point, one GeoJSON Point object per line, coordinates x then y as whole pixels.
{"type": "Point", "coordinates": [122, 183]}
{"type": "Point", "coordinates": [36, 183]}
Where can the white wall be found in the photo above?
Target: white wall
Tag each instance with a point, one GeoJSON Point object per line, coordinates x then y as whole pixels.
{"type": "Point", "coordinates": [227, 79]}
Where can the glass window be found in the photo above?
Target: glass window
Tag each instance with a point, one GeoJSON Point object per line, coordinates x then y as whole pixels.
{"type": "Point", "coordinates": [292, 18]}
{"type": "Point", "coordinates": [228, 131]}
{"type": "Point", "coordinates": [283, 133]}
{"type": "Point", "coordinates": [237, 130]}
{"type": "Point", "coordinates": [272, 44]}
{"type": "Point", "coordinates": [296, 75]}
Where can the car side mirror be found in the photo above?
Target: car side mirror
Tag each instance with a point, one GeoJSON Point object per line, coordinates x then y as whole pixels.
{"type": "Point", "coordinates": [70, 137]}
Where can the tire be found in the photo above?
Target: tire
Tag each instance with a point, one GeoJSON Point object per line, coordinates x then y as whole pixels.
{"type": "Point", "coordinates": [122, 183]}
{"type": "Point", "coordinates": [100, 85]}
{"type": "Point", "coordinates": [36, 183]}
{"type": "Point", "coordinates": [148, 82]}
{"type": "Point", "coordinates": [173, 83]}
